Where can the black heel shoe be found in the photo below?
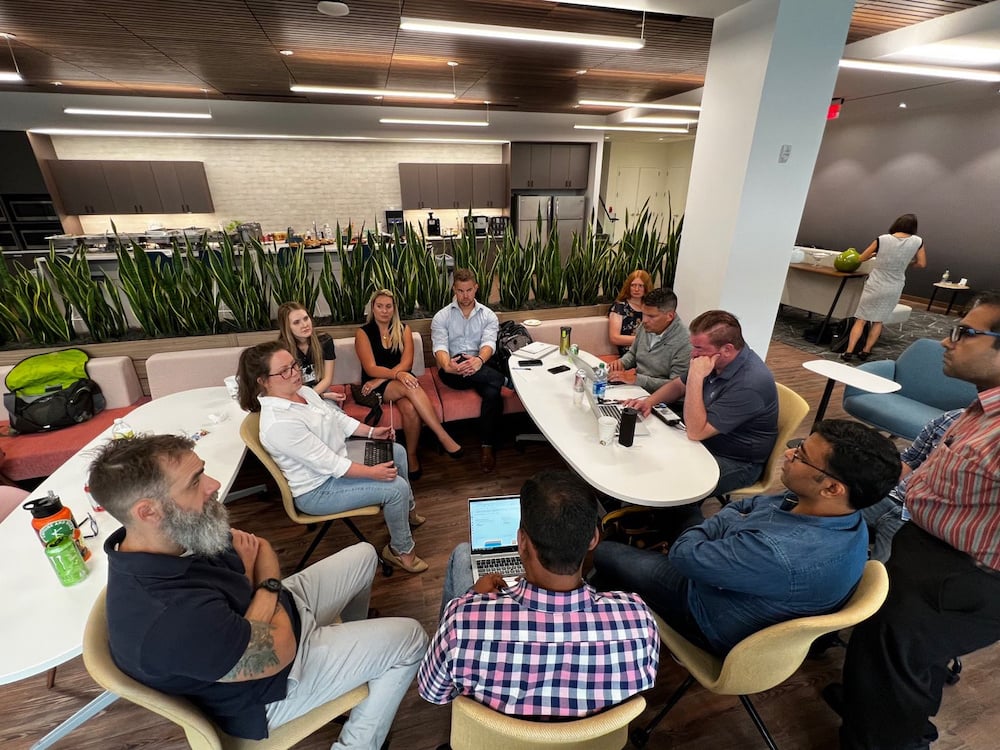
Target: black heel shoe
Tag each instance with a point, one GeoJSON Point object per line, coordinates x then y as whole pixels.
{"type": "Point", "coordinates": [413, 476]}
{"type": "Point", "coordinates": [847, 356]}
{"type": "Point", "coordinates": [455, 455]}
{"type": "Point", "coordinates": [863, 356]}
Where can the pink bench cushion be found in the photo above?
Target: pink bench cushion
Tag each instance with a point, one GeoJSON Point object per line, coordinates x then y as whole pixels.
{"type": "Point", "coordinates": [457, 404]}
{"type": "Point", "coordinates": [39, 454]}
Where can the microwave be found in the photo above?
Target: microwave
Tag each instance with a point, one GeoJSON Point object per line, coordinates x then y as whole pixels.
{"type": "Point", "coordinates": [31, 209]}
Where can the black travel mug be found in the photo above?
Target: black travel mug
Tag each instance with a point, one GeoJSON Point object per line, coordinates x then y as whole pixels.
{"type": "Point", "coordinates": [626, 429]}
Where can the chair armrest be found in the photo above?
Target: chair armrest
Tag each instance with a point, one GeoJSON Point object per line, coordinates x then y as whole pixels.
{"type": "Point", "coordinates": [885, 368]}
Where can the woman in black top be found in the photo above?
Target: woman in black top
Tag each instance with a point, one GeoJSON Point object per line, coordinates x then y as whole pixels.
{"type": "Point", "coordinates": [385, 350]}
{"type": "Point", "coordinates": [314, 352]}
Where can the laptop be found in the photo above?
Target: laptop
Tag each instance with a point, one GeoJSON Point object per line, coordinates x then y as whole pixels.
{"type": "Point", "coordinates": [369, 452]}
{"type": "Point", "coordinates": [612, 410]}
{"type": "Point", "coordinates": [493, 523]}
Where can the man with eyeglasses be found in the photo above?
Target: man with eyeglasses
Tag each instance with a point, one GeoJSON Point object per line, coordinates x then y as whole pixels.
{"type": "Point", "coordinates": [944, 595]}
{"type": "Point", "coordinates": [767, 559]}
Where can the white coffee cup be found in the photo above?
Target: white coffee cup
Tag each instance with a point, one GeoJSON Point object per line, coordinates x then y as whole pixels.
{"type": "Point", "coordinates": [232, 387]}
{"type": "Point", "coordinates": [606, 428]}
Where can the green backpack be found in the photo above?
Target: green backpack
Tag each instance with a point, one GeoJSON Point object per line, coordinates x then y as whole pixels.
{"type": "Point", "coordinates": [51, 391]}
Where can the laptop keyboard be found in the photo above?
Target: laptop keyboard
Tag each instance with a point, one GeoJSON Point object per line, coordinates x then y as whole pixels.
{"type": "Point", "coordinates": [505, 566]}
{"type": "Point", "coordinates": [377, 452]}
{"type": "Point", "coordinates": [611, 410]}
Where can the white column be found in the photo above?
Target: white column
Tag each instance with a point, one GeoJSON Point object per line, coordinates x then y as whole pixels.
{"type": "Point", "coordinates": [771, 71]}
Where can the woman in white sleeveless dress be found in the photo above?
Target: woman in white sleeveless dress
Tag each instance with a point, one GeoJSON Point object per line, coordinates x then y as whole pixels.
{"type": "Point", "coordinates": [894, 253]}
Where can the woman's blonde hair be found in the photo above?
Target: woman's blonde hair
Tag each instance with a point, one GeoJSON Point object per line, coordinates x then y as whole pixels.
{"type": "Point", "coordinates": [644, 277]}
{"type": "Point", "coordinates": [395, 325]}
{"type": "Point", "coordinates": [287, 338]}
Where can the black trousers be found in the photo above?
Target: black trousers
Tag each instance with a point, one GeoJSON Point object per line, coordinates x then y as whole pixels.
{"type": "Point", "coordinates": [487, 382]}
{"type": "Point", "coordinates": [940, 605]}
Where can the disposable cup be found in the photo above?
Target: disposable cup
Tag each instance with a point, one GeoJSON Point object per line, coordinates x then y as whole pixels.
{"type": "Point", "coordinates": [606, 427]}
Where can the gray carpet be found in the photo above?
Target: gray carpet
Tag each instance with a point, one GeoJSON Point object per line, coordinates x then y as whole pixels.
{"type": "Point", "coordinates": [792, 323]}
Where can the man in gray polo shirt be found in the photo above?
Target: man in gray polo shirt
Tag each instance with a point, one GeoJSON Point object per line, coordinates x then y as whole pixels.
{"type": "Point", "coordinates": [661, 350]}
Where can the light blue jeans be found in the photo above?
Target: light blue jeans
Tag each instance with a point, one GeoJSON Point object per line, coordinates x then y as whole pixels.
{"type": "Point", "coordinates": [884, 519]}
{"type": "Point", "coordinates": [458, 578]}
{"type": "Point", "coordinates": [338, 494]}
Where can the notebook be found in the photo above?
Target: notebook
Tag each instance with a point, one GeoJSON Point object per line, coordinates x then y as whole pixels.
{"type": "Point", "coordinates": [612, 410]}
{"type": "Point", "coordinates": [369, 452]}
{"type": "Point", "coordinates": [493, 524]}
{"type": "Point", "coordinates": [535, 350]}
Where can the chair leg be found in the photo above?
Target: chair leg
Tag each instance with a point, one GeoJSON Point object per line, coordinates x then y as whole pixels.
{"type": "Point", "coordinates": [50, 678]}
{"type": "Point", "coordinates": [640, 735]}
{"type": "Point", "coordinates": [312, 547]}
{"type": "Point", "coordinates": [758, 722]}
{"type": "Point", "coordinates": [386, 567]}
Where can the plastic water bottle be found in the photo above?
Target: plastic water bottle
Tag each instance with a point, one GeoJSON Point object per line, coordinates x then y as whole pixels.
{"type": "Point", "coordinates": [600, 381]}
{"type": "Point", "coordinates": [945, 276]}
{"type": "Point", "coordinates": [121, 429]}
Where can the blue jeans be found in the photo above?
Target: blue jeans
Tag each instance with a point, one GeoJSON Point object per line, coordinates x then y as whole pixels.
{"type": "Point", "coordinates": [338, 494]}
{"type": "Point", "coordinates": [884, 519]}
{"type": "Point", "coordinates": [651, 575]}
{"type": "Point", "coordinates": [734, 474]}
{"type": "Point", "coordinates": [458, 578]}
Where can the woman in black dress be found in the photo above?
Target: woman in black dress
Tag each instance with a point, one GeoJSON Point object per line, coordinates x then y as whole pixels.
{"type": "Point", "coordinates": [314, 352]}
{"type": "Point", "coordinates": [385, 350]}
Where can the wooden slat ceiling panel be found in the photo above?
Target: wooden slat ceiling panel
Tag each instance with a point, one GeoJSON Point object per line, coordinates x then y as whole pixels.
{"type": "Point", "coordinates": [231, 47]}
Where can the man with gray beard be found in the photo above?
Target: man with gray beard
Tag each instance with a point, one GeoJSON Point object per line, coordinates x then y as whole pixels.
{"type": "Point", "coordinates": [199, 610]}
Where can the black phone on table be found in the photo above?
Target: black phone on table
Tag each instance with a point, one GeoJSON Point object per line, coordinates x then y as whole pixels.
{"type": "Point", "coordinates": [559, 368]}
{"type": "Point", "coordinates": [529, 363]}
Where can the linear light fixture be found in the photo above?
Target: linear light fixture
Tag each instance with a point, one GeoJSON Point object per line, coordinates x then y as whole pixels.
{"type": "Point", "coordinates": [514, 33]}
{"type": "Point", "coordinates": [631, 128]}
{"type": "Point", "coordinates": [456, 123]}
{"type": "Point", "coordinates": [136, 113]}
{"type": "Point", "coordinates": [255, 136]}
{"type": "Point", "coordinates": [663, 120]}
{"type": "Point", "coordinates": [922, 70]}
{"type": "Point", "coordinates": [387, 93]}
{"type": "Point", "coordinates": [641, 105]}
{"type": "Point", "coordinates": [11, 76]}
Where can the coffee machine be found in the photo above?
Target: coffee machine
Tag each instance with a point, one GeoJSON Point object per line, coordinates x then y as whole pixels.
{"type": "Point", "coordinates": [433, 225]}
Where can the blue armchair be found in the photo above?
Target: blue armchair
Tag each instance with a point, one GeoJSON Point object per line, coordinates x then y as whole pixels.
{"type": "Point", "coordinates": [926, 391]}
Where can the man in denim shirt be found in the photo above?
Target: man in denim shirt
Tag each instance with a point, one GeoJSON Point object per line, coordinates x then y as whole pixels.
{"type": "Point", "coordinates": [767, 559]}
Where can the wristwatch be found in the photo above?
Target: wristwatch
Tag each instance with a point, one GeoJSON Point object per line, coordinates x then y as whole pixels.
{"type": "Point", "coordinates": [271, 584]}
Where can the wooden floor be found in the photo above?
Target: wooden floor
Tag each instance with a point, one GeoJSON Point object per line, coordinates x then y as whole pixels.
{"type": "Point", "coordinates": [793, 711]}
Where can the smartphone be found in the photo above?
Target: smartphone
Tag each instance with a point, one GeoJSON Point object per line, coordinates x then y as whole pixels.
{"type": "Point", "coordinates": [558, 369]}
{"type": "Point", "coordinates": [529, 363]}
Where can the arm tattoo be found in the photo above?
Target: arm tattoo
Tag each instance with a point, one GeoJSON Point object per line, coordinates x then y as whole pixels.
{"type": "Point", "coordinates": [259, 655]}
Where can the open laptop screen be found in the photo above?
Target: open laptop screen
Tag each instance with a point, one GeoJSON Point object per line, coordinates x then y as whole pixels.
{"type": "Point", "coordinates": [494, 522]}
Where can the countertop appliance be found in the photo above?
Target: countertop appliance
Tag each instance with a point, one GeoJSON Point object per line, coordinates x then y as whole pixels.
{"type": "Point", "coordinates": [433, 225]}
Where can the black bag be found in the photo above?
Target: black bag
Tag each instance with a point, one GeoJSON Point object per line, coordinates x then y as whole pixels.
{"type": "Point", "coordinates": [511, 337]}
{"type": "Point", "coordinates": [50, 391]}
{"type": "Point", "coordinates": [54, 410]}
{"type": "Point", "coordinates": [372, 400]}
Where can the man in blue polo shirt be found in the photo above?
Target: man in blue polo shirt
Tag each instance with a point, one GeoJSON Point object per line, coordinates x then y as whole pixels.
{"type": "Point", "coordinates": [199, 610]}
{"type": "Point", "coordinates": [730, 400]}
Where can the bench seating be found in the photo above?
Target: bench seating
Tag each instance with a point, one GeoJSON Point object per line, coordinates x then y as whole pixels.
{"type": "Point", "coordinates": [39, 454]}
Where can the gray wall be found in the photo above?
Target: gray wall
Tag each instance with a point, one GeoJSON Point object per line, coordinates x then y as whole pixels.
{"type": "Point", "coordinates": [942, 165]}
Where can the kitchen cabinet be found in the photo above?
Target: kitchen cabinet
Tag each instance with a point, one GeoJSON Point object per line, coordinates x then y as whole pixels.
{"type": "Point", "coordinates": [459, 186]}
{"type": "Point", "coordinates": [489, 186]}
{"type": "Point", "coordinates": [549, 166]}
{"type": "Point", "coordinates": [93, 186]}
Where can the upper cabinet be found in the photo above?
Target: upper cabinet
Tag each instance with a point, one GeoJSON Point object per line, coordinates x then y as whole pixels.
{"type": "Point", "coordinates": [549, 166]}
{"type": "Point", "coordinates": [459, 186]}
{"type": "Point", "coordinates": [132, 187]}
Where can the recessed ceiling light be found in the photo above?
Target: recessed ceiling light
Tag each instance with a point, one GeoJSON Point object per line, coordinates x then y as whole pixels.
{"type": "Point", "coordinates": [285, 52]}
{"type": "Point", "coordinates": [452, 64]}
{"type": "Point", "coordinates": [515, 33]}
{"type": "Point", "coordinates": [902, 105]}
{"type": "Point", "coordinates": [582, 72]}
{"type": "Point", "coordinates": [137, 113]}
{"type": "Point", "coordinates": [933, 71]}
{"type": "Point", "coordinates": [57, 83]}
{"type": "Point", "coordinates": [390, 93]}
{"type": "Point", "coordinates": [328, 8]}
{"type": "Point", "coordinates": [457, 123]}
{"type": "Point", "coordinates": [630, 128]}
{"type": "Point", "coordinates": [641, 105]}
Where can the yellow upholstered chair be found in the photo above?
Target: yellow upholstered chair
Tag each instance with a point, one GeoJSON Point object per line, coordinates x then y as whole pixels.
{"type": "Point", "coordinates": [792, 409]}
{"type": "Point", "coordinates": [768, 657]}
{"type": "Point", "coordinates": [476, 727]}
{"type": "Point", "coordinates": [201, 733]}
{"type": "Point", "coordinates": [250, 432]}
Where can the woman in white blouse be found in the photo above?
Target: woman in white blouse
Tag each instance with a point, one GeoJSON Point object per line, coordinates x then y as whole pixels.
{"type": "Point", "coordinates": [306, 437]}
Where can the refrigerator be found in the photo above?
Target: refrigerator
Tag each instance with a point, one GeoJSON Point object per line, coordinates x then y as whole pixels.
{"type": "Point", "coordinates": [567, 210]}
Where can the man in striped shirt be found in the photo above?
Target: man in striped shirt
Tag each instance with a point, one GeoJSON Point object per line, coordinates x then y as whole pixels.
{"type": "Point", "coordinates": [944, 572]}
{"type": "Point", "coordinates": [550, 645]}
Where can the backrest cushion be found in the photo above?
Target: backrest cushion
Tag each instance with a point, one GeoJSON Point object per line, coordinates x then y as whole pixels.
{"type": "Point", "coordinates": [589, 333]}
{"type": "Point", "coordinates": [172, 372]}
{"type": "Point", "coordinates": [920, 375]}
{"type": "Point", "coordinates": [348, 367]}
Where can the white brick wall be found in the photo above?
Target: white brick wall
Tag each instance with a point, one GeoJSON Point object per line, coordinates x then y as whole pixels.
{"type": "Point", "coordinates": [279, 183]}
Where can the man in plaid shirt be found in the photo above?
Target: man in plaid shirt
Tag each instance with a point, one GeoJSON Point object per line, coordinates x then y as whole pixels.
{"type": "Point", "coordinates": [550, 645]}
